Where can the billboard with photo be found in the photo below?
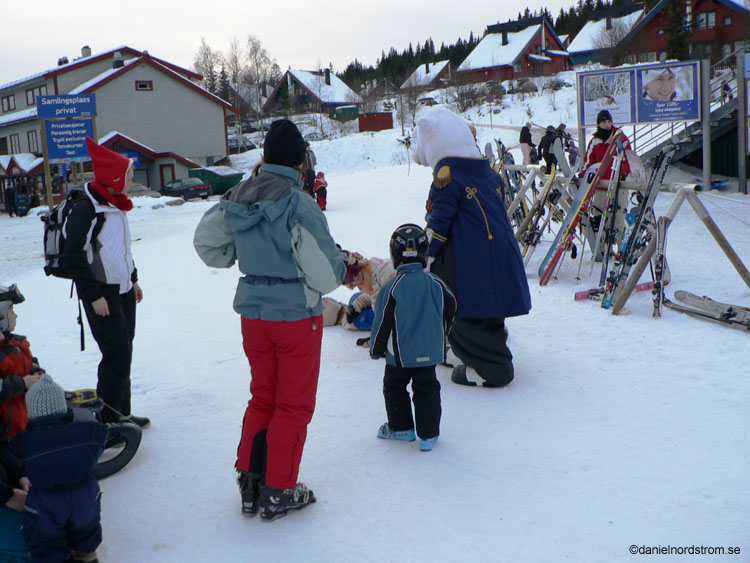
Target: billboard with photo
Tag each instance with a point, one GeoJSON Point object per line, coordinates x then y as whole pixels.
{"type": "Point", "coordinates": [611, 90]}
{"type": "Point", "coordinates": [640, 93]}
{"type": "Point", "coordinates": [668, 92]}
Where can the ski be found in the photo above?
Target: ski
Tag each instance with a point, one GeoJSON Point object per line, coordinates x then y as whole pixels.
{"type": "Point", "coordinates": [597, 292]}
{"type": "Point", "coordinates": [640, 229]}
{"type": "Point", "coordinates": [528, 226]}
{"type": "Point", "coordinates": [660, 263]}
{"type": "Point", "coordinates": [579, 205]}
{"type": "Point", "coordinates": [560, 156]}
{"type": "Point", "coordinates": [725, 315]}
{"type": "Point", "coordinates": [606, 234]}
{"type": "Point", "coordinates": [707, 303]}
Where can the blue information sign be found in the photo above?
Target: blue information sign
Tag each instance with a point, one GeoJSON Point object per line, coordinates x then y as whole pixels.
{"type": "Point", "coordinates": [66, 105]}
{"type": "Point", "coordinates": [66, 140]}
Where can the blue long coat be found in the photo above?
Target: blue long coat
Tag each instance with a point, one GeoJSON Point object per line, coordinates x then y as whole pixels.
{"type": "Point", "coordinates": [467, 206]}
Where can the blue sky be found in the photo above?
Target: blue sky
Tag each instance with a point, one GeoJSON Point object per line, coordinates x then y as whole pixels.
{"type": "Point", "coordinates": [297, 34]}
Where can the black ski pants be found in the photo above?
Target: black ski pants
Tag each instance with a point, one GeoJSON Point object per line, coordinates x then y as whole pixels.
{"type": "Point", "coordinates": [426, 396]}
{"type": "Point", "coordinates": [114, 334]}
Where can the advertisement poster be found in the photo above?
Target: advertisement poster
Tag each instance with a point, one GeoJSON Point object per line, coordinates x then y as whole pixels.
{"type": "Point", "coordinates": [668, 92]}
{"type": "Point", "coordinates": [612, 90]}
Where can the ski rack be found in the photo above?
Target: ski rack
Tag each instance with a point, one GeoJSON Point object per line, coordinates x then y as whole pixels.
{"type": "Point", "coordinates": [682, 192]}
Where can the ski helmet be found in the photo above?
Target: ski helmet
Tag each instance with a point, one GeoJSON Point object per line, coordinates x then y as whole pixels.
{"type": "Point", "coordinates": [409, 244]}
{"type": "Point", "coordinates": [9, 296]}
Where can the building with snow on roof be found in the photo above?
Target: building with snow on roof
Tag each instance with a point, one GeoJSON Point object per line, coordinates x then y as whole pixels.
{"type": "Point", "coordinates": [524, 48]}
{"type": "Point", "coordinates": [717, 29]}
{"type": "Point", "coordinates": [429, 76]}
{"type": "Point", "coordinates": [310, 91]}
{"type": "Point", "coordinates": [141, 101]}
{"type": "Point", "coordinates": [603, 33]}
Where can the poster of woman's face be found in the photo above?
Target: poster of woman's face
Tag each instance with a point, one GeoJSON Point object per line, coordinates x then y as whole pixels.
{"type": "Point", "coordinates": [667, 84]}
{"type": "Point", "coordinates": [668, 92]}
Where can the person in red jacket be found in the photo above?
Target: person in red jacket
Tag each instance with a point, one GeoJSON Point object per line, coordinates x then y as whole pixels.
{"type": "Point", "coordinates": [19, 370]}
{"type": "Point", "coordinates": [597, 148]}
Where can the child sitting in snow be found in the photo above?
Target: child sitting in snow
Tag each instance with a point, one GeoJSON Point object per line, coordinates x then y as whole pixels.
{"type": "Point", "coordinates": [60, 450]}
{"type": "Point", "coordinates": [413, 315]}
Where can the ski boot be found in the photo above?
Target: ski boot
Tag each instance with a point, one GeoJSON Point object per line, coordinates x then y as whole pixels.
{"type": "Point", "coordinates": [275, 503]}
{"type": "Point", "coordinates": [249, 491]}
{"type": "Point", "coordinates": [426, 445]}
{"type": "Point", "coordinates": [386, 433]}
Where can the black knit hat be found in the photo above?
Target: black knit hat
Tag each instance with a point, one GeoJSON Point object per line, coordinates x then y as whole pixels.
{"type": "Point", "coordinates": [284, 144]}
{"type": "Point", "coordinates": [603, 115]}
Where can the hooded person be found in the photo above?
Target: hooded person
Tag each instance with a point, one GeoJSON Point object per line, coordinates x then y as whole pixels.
{"type": "Point", "coordinates": [98, 257]}
{"type": "Point", "coordinates": [60, 449]}
{"type": "Point", "coordinates": [526, 144]}
{"type": "Point", "coordinates": [279, 237]}
{"type": "Point", "coordinates": [472, 248]}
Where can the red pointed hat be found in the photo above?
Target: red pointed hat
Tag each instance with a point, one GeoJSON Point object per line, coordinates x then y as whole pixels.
{"type": "Point", "coordinates": [109, 166]}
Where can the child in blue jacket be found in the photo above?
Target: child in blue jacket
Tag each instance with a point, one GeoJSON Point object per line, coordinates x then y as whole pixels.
{"type": "Point", "coordinates": [413, 315]}
{"type": "Point", "coordinates": [60, 450]}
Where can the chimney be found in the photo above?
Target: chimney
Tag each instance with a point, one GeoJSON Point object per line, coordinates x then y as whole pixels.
{"type": "Point", "coordinates": [85, 51]}
{"type": "Point", "coordinates": [328, 76]}
{"type": "Point", "coordinates": [609, 22]}
{"type": "Point", "coordinates": [62, 61]}
{"type": "Point", "coordinates": [117, 61]}
{"type": "Point", "coordinates": [427, 68]}
{"type": "Point", "coordinates": [505, 37]}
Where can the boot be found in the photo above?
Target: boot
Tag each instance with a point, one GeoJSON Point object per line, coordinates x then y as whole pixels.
{"type": "Point", "coordinates": [386, 433]}
{"type": "Point", "coordinates": [84, 556]}
{"type": "Point", "coordinates": [249, 491]}
{"type": "Point", "coordinates": [275, 503]}
{"type": "Point", "coordinates": [426, 445]}
{"type": "Point", "coordinates": [141, 421]}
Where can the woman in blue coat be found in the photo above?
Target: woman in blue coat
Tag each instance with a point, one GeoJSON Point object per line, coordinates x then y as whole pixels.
{"type": "Point", "coordinates": [472, 248]}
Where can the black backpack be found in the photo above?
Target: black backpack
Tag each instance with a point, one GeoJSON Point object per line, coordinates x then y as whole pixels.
{"type": "Point", "coordinates": [54, 237]}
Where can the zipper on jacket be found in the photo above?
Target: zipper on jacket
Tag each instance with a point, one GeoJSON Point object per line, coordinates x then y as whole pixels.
{"type": "Point", "coordinates": [471, 193]}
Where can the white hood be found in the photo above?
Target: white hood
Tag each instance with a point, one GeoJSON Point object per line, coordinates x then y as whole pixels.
{"type": "Point", "coordinates": [440, 134]}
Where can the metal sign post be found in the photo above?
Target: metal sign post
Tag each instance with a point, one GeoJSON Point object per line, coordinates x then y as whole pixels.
{"type": "Point", "coordinates": [743, 80]}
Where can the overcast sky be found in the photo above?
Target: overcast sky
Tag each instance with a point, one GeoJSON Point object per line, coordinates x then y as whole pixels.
{"type": "Point", "coordinates": [298, 34]}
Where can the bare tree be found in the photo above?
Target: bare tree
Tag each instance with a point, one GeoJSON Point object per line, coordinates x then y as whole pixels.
{"type": "Point", "coordinates": [610, 38]}
{"type": "Point", "coordinates": [234, 62]}
{"type": "Point", "coordinates": [206, 62]}
{"type": "Point", "coordinates": [258, 69]}
{"type": "Point", "coordinates": [463, 94]}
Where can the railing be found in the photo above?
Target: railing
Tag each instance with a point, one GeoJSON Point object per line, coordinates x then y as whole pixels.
{"type": "Point", "coordinates": [650, 136]}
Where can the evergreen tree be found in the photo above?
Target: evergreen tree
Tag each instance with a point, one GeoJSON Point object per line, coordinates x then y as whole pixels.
{"type": "Point", "coordinates": [224, 92]}
{"type": "Point", "coordinates": [677, 31]}
{"type": "Point", "coordinates": [211, 85]}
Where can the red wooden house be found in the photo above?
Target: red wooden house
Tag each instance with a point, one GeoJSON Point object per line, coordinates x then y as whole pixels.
{"type": "Point", "coordinates": [516, 49]}
{"type": "Point", "coordinates": [718, 27]}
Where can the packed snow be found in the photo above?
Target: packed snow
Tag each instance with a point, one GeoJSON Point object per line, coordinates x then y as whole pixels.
{"type": "Point", "coordinates": [618, 431]}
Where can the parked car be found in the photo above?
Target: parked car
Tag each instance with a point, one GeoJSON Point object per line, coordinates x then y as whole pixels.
{"type": "Point", "coordinates": [236, 147]}
{"type": "Point", "coordinates": [427, 101]}
{"type": "Point", "coordinates": [314, 136]}
{"type": "Point", "coordinates": [188, 188]}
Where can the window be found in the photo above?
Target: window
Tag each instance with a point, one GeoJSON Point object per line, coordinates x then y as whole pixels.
{"type": "Point", "coordinates": [144, 85]}
{"type": "Point", "coordinates": [546, 44]}
{"type": "Point", "coordinates": [15, 144]}
{"type": "Point", "coordinates": [517, 67]}
{"type": "Point", "coordinates": [3, 145]}
{"type": "Point", "coordinates": [727, 21]}
{"type": "Point", "coordinates": [33, 139]}
{"type": "Point", "coordinates": [647, 57]}
{"type": "Point", "coordinates": [705, 20]}
{"type": "Point", "coordinates": [537, 49]}
{"type": "Point", "coordinates": [32, 93]}
{"type": "Point", "coordinates": [660, 31]}
{"type": "Point", "coordinates": [9, 103]}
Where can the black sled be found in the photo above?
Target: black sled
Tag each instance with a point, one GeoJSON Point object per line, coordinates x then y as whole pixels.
{"type": "Point", "coordinates": [123, 438]}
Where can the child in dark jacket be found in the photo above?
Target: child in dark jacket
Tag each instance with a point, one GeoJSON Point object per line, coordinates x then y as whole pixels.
{"type": "Point", "coordinates": [413, 316]}
{"type": "Point", "coordinates": [60, 449]}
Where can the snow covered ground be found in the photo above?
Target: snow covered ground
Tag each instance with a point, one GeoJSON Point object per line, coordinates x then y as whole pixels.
{"type": "Point", "coordinates": [618, 430]}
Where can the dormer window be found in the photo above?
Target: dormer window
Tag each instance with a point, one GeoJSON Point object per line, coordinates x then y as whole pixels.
{"type": "Point", "coordinates": [144, 85]}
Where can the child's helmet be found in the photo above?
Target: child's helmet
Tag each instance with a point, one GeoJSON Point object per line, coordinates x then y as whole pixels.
{"type": "Point", "coordinates": [409, 244]}
{"type": "Point", "coordinates": [9, 296]}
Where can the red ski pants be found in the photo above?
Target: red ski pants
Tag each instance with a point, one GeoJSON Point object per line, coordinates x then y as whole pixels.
{"type": "Point", "coordinates": [284, 361]}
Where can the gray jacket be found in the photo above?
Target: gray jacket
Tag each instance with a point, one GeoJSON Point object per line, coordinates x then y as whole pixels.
{"type": "Point", "coordinates": [280, 238]}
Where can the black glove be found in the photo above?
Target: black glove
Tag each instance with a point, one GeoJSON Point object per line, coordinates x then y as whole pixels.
{"type": "Point", "coordinates": [351, 314]}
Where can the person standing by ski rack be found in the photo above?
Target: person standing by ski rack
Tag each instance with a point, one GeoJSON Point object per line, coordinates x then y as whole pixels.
{"type": "Point", "coordinates": [526, 145]}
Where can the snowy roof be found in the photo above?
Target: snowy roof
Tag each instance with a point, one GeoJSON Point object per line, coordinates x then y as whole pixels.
{"type": "Point", "coordinates": [563, 38]}
{"type": "Point", "coordinates": [4, 161]}
{"type": "Point", "coordinates": [101, 76]}
{"type": "Point", "coordinates": [491, 52]}
{"type": "Point", "coordinates": [534, 57]}
{"type": "Point", "coordinates": [556, 52]}
{"type": "Point", "coordinates": [103, 140]}
{"type": "Point", "coordinates": [335, 92]}
{"type": "Point", "coordinates": [29, 113]}
{"type": "Point", "coordinates": [223, 170]}
{"type": "Point", "coordinates": [26, 161]}
{"type": "Point", "coordinates": [588, 37]}
{"type": "Point", "coordinates": [420, 77]}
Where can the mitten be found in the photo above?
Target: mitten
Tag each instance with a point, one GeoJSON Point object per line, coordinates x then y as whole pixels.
{"type": "Point", "coordinates": [351, 314]}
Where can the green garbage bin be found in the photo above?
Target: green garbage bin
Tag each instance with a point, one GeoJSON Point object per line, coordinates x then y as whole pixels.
{"type": "Point", "coordinates": [221, 178]}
